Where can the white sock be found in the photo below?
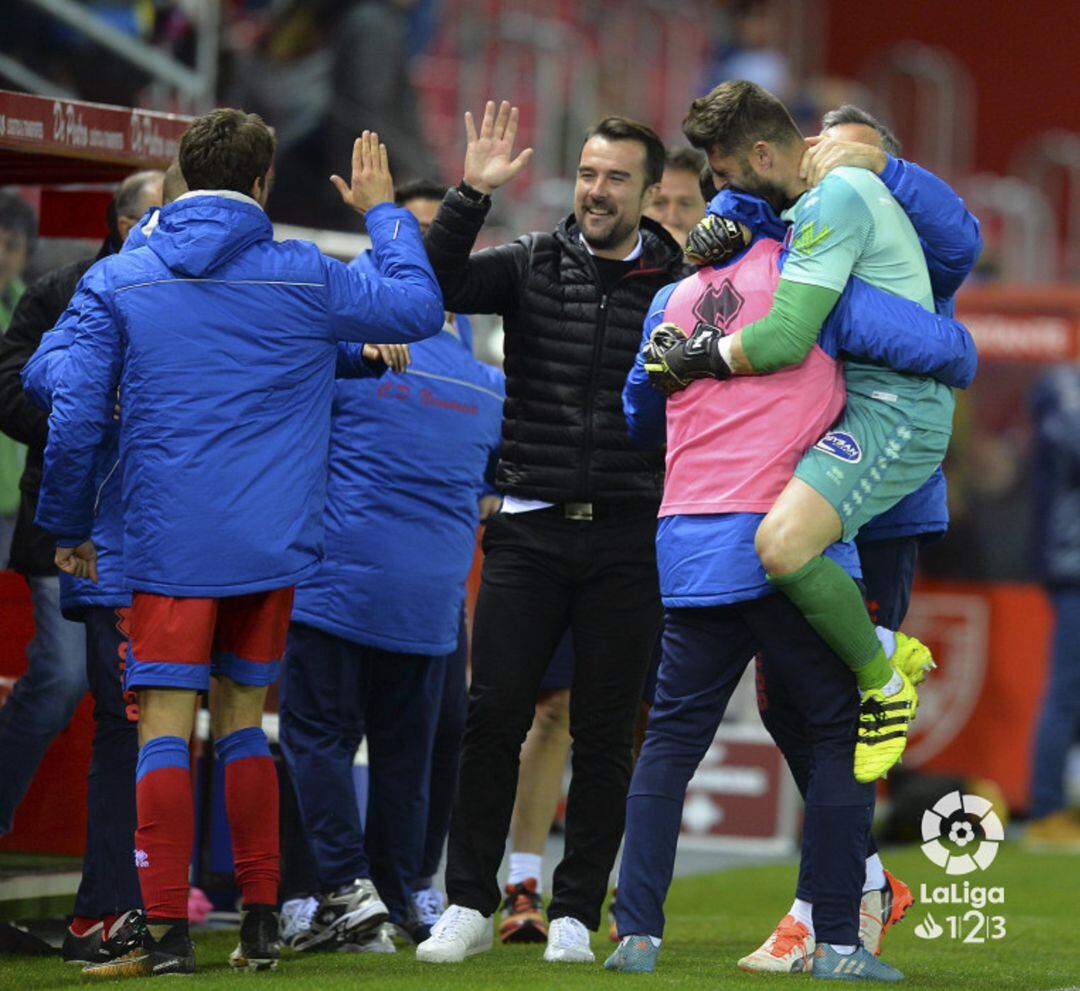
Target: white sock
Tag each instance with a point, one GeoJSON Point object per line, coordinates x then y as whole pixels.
{"type": "Point", "coordinates": [875, 874]}
{"type": "Point", "coordinates": [844, 949]}
{"type": "Point", "coordinates": [803, 912]}
{"type": "Point", "coordinates": [523, 866]}
{"type": "Point", "coordinates": [893, 685]}
{"type": "Point", "coordinates": [887, 639]}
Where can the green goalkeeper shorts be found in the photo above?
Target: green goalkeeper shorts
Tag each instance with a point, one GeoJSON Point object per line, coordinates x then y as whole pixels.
{"type": "Point", "coordinates": [872, 457]}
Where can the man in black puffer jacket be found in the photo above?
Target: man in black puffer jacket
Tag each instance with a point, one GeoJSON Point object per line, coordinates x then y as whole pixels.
{"type": "Point", "coordinates": [573, 546]}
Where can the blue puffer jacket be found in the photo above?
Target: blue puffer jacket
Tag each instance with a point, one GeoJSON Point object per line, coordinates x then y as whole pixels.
{"type": "Point", "coordinates": [39, 376]}
{"type": "Point", "coordinates": [1055, 475]}
{"type": "Point", "coordinates": [408, 456]}
{"type": "Point", "coordinates": [223, 344]}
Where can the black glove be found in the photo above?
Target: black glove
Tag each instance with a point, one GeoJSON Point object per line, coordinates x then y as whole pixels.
{"type": "Point", "coordinates": [714, 239]}
{"type": "Point", "coordinates": [684, 359]}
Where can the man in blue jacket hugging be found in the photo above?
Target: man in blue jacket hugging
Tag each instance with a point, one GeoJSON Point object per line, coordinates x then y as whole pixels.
{"type": "Point", "coordinates": [223, 344]}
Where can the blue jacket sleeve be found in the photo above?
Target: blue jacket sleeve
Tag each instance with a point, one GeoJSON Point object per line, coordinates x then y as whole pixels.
{"type": "Point", "coordinates": [643, 406]}
{"type": "Point", "coordinates": [949, 232]}
{"type": "Point", "coordinates": [39, 374]}
{"type": "Point", "coordinates": [872, 324]}
{"type": "Point", "coordinates": [82, 410]}
{"type": "Point", "coordinates": [399, 303]}
{"type": "Point", "coordinates": [351, 364]}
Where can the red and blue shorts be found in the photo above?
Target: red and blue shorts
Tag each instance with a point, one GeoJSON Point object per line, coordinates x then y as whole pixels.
{"type": "Point", "coordinates": [181, 642]}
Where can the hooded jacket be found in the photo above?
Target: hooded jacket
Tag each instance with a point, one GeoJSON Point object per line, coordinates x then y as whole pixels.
{"type": "Point", "coordinates": [223, 343]}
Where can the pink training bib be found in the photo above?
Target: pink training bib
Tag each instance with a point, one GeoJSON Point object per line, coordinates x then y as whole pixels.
{"type": "Point", "coordinates": [732, 446]}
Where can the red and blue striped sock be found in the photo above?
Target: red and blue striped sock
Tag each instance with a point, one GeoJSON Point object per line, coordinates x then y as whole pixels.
{"type": "Point", "coordinates": [166, 829]}
{"type": "Point", "coordinates": [251, 802]}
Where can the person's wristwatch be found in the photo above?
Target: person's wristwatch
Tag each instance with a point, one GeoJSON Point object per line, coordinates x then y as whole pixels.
{"type": "Point", "coordinates": [472, 194]}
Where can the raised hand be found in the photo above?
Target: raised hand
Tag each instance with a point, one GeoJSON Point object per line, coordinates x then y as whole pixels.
{"type": "Point", "coordinates": [489, 160]}
{"type": "Point", "coordinates": [823, 154]}
{"type": "Point", "coordinates": [371, 180]}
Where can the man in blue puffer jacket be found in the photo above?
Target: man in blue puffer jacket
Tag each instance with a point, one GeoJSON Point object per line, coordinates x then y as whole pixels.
{"type": "Point", "coordinates": [373, 628]}
{"type": "Point", "coordinates": [224, 345]}
{"type": "Point", "coordinates": [107, 919]}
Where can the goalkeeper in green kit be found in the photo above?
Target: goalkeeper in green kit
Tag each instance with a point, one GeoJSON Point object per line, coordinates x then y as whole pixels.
{"type": "Point", "coordinates": [895, 428]}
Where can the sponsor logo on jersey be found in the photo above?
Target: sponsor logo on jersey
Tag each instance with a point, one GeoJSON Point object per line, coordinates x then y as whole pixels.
{"type": "Point", "coordinates": [840, 445]}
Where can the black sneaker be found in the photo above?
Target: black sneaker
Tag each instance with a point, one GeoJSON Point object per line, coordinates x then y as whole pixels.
{"type": "Point", "coordinates": [260, 939]}
{"type": "Point", "coordinates": [354, 910]}
{"type": "Point", "coordinates": [173, 953]}
{"type": "Point", "coordinates": [98, 946]}
{"type": "Point", "coordinates": [87, 948]}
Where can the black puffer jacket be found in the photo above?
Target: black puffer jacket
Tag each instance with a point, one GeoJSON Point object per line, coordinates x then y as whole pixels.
{"type": "Point", "coordinates": [569, 348]}
{"type": "Point", "coordinates": [42, 304]}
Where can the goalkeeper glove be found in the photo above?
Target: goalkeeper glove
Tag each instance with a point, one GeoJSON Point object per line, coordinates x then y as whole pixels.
{"type": "Point", "coordinates": [713, 240]}
{"type": "Point", "coordinates": [674, 360]}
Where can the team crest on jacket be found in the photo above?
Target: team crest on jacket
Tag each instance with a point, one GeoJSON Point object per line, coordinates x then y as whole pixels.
{"type": "Point", "coordinates": [840, 445]}
{"type": "Point", "coordinates": [719, 305]}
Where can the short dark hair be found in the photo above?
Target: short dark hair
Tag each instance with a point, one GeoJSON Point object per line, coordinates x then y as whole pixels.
{"type": "Point", "coordinates": [685, 160]}
{"type": "Point", "coordinates": [735, 115]}
{"type": "Point", "coordinates": [617, 128]}
{"type": "Point", "coordinates": [419, 189]}
{"type": "Point", "coordinates": [17, 215]}
{"type": "Point", "coordinates": [226, 149]}
{"type": "Point", "coordinates": [848, 113]}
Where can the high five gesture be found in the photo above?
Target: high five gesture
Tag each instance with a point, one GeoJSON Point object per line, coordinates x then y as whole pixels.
{"type": "Point", "coordinates": [489, 160]}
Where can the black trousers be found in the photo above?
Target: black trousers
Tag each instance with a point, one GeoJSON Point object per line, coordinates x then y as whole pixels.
{"type": "Point", "coordinates": [542, 574]}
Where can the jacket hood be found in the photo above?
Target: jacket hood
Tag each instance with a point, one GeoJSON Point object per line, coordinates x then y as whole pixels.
{"type": "Point", "coordinates": [658, 247]}
{"type": "Point", "coordinates": [750, 210]}
{"type": "Point", "coordinates": [202, 230]}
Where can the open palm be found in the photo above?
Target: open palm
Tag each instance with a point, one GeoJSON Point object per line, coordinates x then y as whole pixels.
{"type": "Point", "coordinates": [489, 156]}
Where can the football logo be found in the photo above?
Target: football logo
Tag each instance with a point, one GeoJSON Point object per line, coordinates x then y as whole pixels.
{"type": "Point", "coordinates": [951, 833]}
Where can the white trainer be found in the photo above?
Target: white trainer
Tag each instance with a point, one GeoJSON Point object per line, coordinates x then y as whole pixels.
{"type": "Point", "coordinates": [788, 950]}
{"type": "Point", "coordinates": [459, 933]}
{"type": "Point", "coordinates": [296, 915]}
{"type": "Point", "coordinates": [568, 942]}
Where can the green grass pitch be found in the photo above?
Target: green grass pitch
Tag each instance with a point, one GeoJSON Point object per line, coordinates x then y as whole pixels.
{"type": "Point", "coordinates": [712, 921]}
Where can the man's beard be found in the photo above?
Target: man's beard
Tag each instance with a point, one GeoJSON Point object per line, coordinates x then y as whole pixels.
{"type": "Point", "coordinates": [771, 192]}
{"type": "Point", "coordinates": [619, 231]}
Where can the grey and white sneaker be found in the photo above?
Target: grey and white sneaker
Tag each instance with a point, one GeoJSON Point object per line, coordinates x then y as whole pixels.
{"type": "Point", "coordinates": [380, 941]}
{"type": "Point", "coordinates": [425, 907]}
{"type": "Point", "coordinates": [459, 933]}
{"type": "Point", "coordinates": [568, 942]}
{"type": "Point", "coordinates": [354, 911]}
{"type": "Point", "coordinates": [296, 915]}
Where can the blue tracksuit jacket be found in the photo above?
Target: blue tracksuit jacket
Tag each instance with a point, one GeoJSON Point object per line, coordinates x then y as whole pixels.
{"type": "Point", "coordinates": [223, 343]}
{"type": "Point", "coordinates": [408, 459]}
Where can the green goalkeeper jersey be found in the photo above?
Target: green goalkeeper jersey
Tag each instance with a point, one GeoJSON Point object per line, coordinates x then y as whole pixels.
{"type": "Point", "coordinates": [849, 225]}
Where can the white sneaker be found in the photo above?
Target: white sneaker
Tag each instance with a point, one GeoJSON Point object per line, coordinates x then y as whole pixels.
{"type": "Point", "coordinates": [568, 942]}
{"type": "Point", "coordinates": [296, 916]}
{"type": "Point", "coordinates": [459, 933]}
{"type": "Point", "coordinates": [788, 950]}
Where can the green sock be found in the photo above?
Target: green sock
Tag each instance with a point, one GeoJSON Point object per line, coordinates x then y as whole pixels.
{"type": "Point", "coordinates": [832, 604]}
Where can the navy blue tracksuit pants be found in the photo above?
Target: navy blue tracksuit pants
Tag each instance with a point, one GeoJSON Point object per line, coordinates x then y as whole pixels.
{"type": "Point", "coordinates": [109, 883]}
{"type": "Point", "coordinates": [888, 572]}
{"type": "Point", "coordinates": [445, 756]}
{"type": "Point", "coordinates": [333, 694]}
{"type": "Point", "coordinates": [705, 651]}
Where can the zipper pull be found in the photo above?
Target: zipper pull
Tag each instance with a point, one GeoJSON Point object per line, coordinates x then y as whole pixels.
{"type": "Point", "coordinates": [603, 302]}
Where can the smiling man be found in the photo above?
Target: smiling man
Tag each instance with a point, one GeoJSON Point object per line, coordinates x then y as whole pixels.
{"type": "Point", "coordinates": [573, 546]}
